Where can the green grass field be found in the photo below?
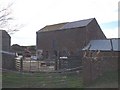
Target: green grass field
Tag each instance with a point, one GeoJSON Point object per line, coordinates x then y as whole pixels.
{"type": "Point", "coordinates": [41, 80]}
{"type": "Point", "coordinates": [57, 80]}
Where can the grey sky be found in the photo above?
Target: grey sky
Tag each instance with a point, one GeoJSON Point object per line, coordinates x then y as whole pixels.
{"type": "Point", "coordinates": [35, 14]}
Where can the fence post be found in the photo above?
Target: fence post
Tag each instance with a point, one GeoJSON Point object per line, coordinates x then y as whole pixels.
{"type": "Point", "coordinates": [30, 66]}
{"type": "Point", "coordinates": [38, 65]}
{"type": "Point", "coordinates": [21, 64]}
{"type": "Point", "coordinates": [56, 63]}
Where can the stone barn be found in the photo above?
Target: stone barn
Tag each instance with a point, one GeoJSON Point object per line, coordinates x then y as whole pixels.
{"type": "Point", "coordinates": [7, 56]}
{"type": "Point", "coordinates": [5, 40]}
{"type": "Point", "coordinates": [100, 56]}
{"type": "Point", "coordinates": [65, 39]}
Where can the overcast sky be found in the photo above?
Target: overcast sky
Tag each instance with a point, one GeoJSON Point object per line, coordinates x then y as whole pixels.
{"type": "Point", "coordinates": [35, 14]}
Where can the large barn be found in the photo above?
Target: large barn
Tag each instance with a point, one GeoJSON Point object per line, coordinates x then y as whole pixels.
{"type": "Point", "coordinates": [67, 38]}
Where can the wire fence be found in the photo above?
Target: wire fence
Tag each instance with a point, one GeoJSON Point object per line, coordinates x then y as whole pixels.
{"type": "Point", "coordinates": [29, 65]}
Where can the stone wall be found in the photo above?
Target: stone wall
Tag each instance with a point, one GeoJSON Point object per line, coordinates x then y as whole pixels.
{"type": "Point", "coordinates": [94, 67]}
{"type": "Point", "coordinates": [71, 39]}
{"type": "Point", "coordinates": [8, 61]}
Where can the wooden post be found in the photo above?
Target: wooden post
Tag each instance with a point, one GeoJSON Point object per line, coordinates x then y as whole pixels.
{"type": "Point", "coordinates": [38, 65]}
{"type": "Point", "coordinates": [30, 65]}
{"type": "Point", "coordinates": [21, 64]}
{"type": "Point", "coordinates": [55, 63]}
{"type": "Point", "coordinates": [58, 60]}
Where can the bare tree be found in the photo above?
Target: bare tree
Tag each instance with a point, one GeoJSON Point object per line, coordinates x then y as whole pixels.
{"type": "Point", "coordinates": [6, 20]}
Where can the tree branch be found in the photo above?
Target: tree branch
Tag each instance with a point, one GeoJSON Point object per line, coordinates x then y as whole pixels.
{"type": "Point", "coordinates": [5, 19]}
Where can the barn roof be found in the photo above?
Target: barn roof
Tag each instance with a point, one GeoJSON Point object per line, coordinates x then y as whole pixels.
{"type": "Point", "coordinates": [103, 45]}
{"type": "Point", "coordinates": [67, 25]}
{"type": "Point", "coordinates": [52, 27]}
{"type": "Point", "coordinates": [75, 24]}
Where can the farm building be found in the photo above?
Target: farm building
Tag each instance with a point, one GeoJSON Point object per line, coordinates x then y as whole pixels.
{"type": "Point", "coordinates": [7, 56]}
{"type": "Point", "coordinates": [65, 39]}
{"type": "Point", "coordinates": [5, 40]}
{"type": "Point", "coordinates": [100, 56]}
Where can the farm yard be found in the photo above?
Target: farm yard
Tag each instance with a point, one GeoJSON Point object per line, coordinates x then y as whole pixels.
{"type": "Point", "coordinates": [33, 75]}
{"type": "Point", "coordinates": [81, 62]}
{"type": "Point", "coordinates": [13, 79]}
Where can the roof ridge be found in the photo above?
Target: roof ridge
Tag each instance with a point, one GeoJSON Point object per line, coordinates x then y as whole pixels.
{"type": "Point", "coordinates": [67, 25]}
{"type": "Point", "coordinates": [79, 23]}
{"type": "Point", "coordinates": [84, 19]}
{"type": "Point", "coordinates": [56, 24]}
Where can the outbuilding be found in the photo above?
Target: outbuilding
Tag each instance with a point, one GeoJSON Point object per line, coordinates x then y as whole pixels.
{"type": "Point", "coordinates": [7, 61]}
{"type": "Point", "coordinates": [65, 39]}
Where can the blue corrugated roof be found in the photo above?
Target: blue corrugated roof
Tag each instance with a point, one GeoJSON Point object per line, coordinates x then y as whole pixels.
{"type": "Point", "coordinates": [6, 52]}
{"type": "Point", "coordinates": [116, 44]}
{"type": "Point", "coordinates": [103, 45]}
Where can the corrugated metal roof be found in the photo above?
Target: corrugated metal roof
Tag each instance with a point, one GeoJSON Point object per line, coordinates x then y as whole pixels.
{"type": "Point", "coordinates": [66, 25]}
{"type": "Point", "coordinates": [116, 44]}
{"type": "Point", "coordinates": [103, 45]}
{"type": "Point", "coordinates": [75, 24]}
{"type": "Point", "coordinates": [6, 52]}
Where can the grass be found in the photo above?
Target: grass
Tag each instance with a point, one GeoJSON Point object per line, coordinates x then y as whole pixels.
{"type": "Point", "coordinates": [41, 80]}
{"type": "Point", "coordinates": [57, 80]}
{"type": "Point", "coordinates": [108, 80]}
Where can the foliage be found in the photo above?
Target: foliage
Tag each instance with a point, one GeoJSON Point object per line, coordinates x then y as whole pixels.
{"type": "Point", "coordinates": [16, 47]}
{"type": "Point", "coordinates": [20, 49]}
